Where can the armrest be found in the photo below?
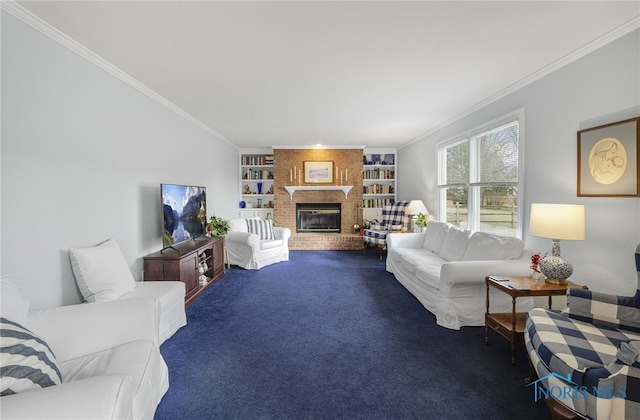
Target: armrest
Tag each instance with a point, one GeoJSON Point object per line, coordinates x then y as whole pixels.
{"type": "Point", "coordinates": [243, 239]}
{"type": "Point", "coordinates": [282, 233]}
{"type": "Point", "coordinates": [472, 272]}
{"type": "Point", "coordinates": [98, 397]}
{"type": "Point", "coordinates": [77, 330]}
{"type": "Point", "coordinates": [405, 240]}
{"type": "Point", "coordinates": [610, 310]}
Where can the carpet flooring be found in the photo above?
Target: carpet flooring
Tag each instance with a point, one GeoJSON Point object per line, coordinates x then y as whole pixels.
{"type": "Point", "coordinates": [332, 335]}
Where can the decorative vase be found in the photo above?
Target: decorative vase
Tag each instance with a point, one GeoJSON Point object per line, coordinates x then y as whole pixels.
{"type": "Point", "coordinates": [555, 268]}
{"type": "Point", "coordinates": [259, 187]}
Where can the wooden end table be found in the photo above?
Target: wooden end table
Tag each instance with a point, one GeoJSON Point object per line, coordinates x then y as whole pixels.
{"type": "Point", "coordinates": [511, 325]}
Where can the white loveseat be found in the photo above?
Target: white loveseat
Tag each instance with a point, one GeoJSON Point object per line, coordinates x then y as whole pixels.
{"type": "Point", "coordinates": [265, 244]}
{"type": "Point", "coordinates": [445, 266]}
{"type": "Point", "coordinates": [106, 353]}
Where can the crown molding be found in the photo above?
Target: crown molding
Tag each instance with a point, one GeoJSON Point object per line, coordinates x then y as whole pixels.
{"type": "Point", "coordinates": [51, 32]}
{"type": "Point", "coordinates": [607, 38]}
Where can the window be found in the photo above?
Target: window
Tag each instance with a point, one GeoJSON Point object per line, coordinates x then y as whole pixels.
{"type": "Point", "coordinates": [479, 178]}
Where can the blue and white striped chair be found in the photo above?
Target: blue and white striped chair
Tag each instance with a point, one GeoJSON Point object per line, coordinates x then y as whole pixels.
{"type": "Point", "coordinates": [588, 357]}
{"type": "Point", "coordinates": [394, 219]}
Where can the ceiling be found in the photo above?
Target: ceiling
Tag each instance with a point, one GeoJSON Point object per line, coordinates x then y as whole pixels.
{"type": "Point", "coordinates": [370, 73]}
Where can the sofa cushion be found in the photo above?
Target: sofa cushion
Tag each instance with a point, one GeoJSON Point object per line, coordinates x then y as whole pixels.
{"type": "Point", "coordinates": [434, 236]}
{"type": "Point", "coordinates": [262, 228]}
{"type": "Point", "coordinates": [27, 361]}
{"type": "Point", "coordinates": [488, 246]}
{"type": "Point", "coordinates": [455, 244]}
{"type": "Point", "coordinates": [101, 272]}
{"type": "Point", "coordinates": [15, 304]}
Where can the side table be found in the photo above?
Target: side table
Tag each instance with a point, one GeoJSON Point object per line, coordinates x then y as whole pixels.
{"type": "Point", "coordinates": [511, 325]}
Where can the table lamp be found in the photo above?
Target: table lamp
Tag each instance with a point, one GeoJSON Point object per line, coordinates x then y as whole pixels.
{"type": "Point", "coordinates": [557, 221]}
{"type": "Point", "coordinates": [414, 208]}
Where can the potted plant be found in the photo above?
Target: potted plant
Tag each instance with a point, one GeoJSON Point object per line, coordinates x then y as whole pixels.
{"type": "Point", "coordinates": [217, 226]}
{"type": "Point", "coordinates": [421, 221]}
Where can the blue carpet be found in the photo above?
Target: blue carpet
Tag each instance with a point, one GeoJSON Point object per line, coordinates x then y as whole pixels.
{"type": "Point", "coordinates": [331, 334]}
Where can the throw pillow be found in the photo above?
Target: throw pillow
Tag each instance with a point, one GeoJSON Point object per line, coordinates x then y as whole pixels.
{"type": "Point", "coordinates": [101, 272]}
{"type": "Point", "coordinates": [434, 235]}
{"type": "Point", "coordinates": [455, 244]}
{"type": "Point", "coordinates": [27, 362]}
{"type": "Point", "coordinates": [262, 228]}
{"type": "Point", "coordinates": [488, 246]}
{"type": "Point", "coordinates": [14, 303]}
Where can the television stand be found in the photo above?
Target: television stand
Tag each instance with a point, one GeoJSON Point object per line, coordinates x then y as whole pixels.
{"type": "Point", "coordinates": [199, 257]}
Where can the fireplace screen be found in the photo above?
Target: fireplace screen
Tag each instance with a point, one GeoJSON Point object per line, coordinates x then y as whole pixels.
{"type": "Point", "coordinates": [318, 217]}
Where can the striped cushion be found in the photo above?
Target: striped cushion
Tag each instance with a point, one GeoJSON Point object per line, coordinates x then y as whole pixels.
{"type": "Point", "coordinates": [262, 228]}
{"type": "Point", "coordinates": [27, 361]}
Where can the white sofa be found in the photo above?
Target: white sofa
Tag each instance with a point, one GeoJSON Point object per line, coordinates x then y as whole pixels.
{"type": "Point", "coordinates": [107, 355]}
{"type": "Point", "coordinates": [445, 268]}
{"type": "Point", "coordinates": [252, 250]}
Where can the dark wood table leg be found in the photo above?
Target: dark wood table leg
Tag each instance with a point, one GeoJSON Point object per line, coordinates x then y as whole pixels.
{"type": "Point", "coordinates": [514, 333]}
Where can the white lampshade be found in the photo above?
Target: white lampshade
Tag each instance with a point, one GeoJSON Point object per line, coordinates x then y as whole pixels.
{"type": "Point", "coordinates": [557, 221]}
{"type": "Point", "coordinates": [416, 207]}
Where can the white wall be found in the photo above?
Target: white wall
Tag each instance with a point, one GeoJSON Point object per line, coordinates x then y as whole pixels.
{"type": "Point", "coordinates": [599, 88]}
{"type": "Point", "coordinates": [83, 156]}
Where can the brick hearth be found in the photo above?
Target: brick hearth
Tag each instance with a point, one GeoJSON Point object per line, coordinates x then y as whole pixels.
{"type": "Point", "coordinates": [308, 241]}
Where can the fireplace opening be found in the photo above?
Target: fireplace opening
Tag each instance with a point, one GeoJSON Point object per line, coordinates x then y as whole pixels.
{"type": "Point", "coordinates": [318, 217]}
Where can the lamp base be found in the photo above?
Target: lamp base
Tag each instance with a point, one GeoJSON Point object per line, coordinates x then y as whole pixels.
{"type": "Point", "coordinates": [556, 269]}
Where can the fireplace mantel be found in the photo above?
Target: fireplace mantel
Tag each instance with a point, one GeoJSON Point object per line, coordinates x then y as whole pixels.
{"type": "Point", "coordinates": [292, 188]}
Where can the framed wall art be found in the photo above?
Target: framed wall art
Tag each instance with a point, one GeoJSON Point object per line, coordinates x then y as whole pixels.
{"type": "Point", "coordinates": [318, 172]}
{"type": "Point", "coordinates": [608, 158]}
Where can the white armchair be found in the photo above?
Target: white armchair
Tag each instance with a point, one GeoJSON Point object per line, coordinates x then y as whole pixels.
{"type": "Point", "coordinates": [109, 360]}
{"type": "Point", "coordinates": [254, 243]}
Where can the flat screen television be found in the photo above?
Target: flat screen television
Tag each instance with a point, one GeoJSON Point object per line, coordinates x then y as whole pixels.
{"type": "Point", "coordinates": [184, 213]}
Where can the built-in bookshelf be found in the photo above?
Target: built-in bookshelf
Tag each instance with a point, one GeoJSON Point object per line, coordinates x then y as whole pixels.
{"type": "Point", "coordinates": [378, 181]}
{"type": "Point", "coordinates": [256, 183]}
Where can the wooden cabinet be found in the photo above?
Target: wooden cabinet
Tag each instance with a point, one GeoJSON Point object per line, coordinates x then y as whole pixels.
{"type": "Point", "coordinates": [197, 263]}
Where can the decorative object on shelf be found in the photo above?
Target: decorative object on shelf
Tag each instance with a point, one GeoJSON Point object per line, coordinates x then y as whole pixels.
{"type": "Point", "coordinates": [535, 262]}
{"type": "Point", "coordinates": [607, 160]}
{"type": "Point", "coordinates": [318, 172]}
{"type": "Point", "coordinates": [218, 226]}
{"type": "Point", "coordinates": [557, 221]}
{"type": "Point", "coordinates": [270, 190]}
{"type": "Point", "coordinates": [243, 204]}
{"type": "Point", "coordinates": [259, 184]}
{"type": "Point", "coordinates": [415, 208]}
{"type": "Point", "coordinates": [203, 280]}
{"type": "Point", "coordinates": [246, 190]}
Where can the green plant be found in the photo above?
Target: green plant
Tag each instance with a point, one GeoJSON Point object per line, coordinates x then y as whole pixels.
{"type": "Point", "coordinates": [218, 226]}
{"type": "Point", "coordinates": [422, 220]}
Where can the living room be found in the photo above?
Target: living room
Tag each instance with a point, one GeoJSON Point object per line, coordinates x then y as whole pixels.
{"type": "Point", "coordinates": [84, 153]}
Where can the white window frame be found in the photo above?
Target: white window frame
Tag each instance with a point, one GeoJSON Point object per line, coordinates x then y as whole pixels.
{"type": "Point", "coordinates": [466, 136]}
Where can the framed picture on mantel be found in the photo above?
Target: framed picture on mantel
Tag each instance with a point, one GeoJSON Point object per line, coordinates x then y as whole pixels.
{"type": "Point", "coordinates": [318, 172]}
{"type": "Point", "coordinates": [608, 158]}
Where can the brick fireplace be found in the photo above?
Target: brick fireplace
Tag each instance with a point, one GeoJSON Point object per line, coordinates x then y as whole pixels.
{"type": "Point", "coordinates": [348, 163]}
